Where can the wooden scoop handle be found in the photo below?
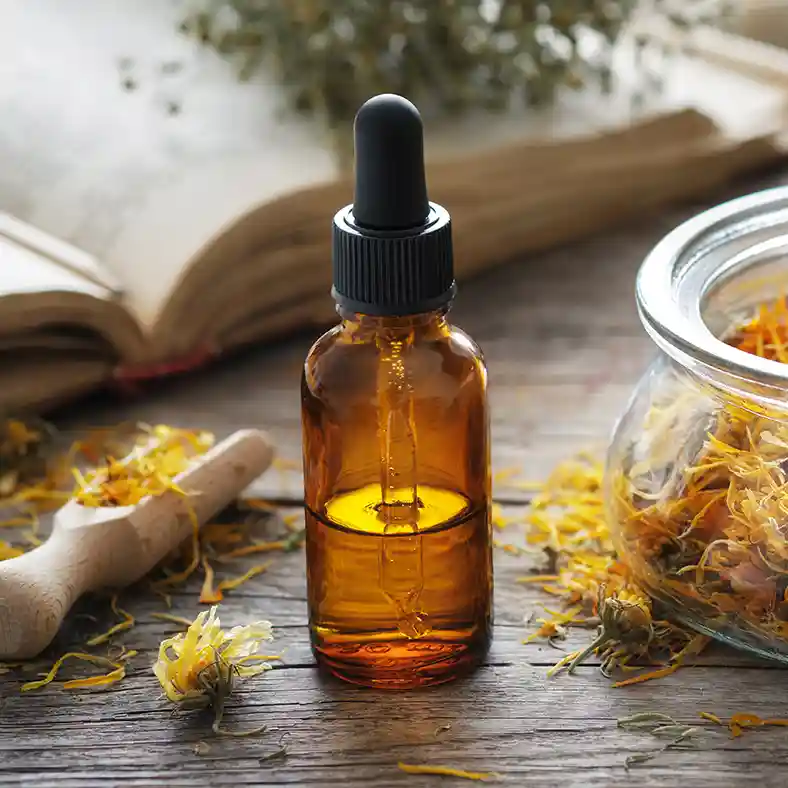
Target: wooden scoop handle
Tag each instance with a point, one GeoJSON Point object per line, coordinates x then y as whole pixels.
{"type": "Point", "coordinates": [92, 548]}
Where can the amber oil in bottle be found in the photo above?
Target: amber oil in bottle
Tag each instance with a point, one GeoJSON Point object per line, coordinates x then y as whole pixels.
{"type": "Point", "coordinates": [396, 435]}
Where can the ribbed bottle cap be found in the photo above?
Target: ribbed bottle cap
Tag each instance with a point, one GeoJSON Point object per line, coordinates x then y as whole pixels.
{"type": "Point", "coordinates": [392, 251]}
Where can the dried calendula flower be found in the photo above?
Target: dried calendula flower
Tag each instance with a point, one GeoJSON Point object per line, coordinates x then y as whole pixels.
{"type": "Point", "coordinates": [36, 468]}
{"type": "Point", "coordinates": [117, 673]}
{"type": "Point", "coordinates": [150, 470]}
{"type": "Point", "coordinates": [9, 551]}
{"type": "Point", "coordinates": [447, 771]}
{"type": "Point", "coordinates": [550, 630]}
{"type": "Point", "coordinates": [161, 455]}
{"type": "Point", "coordinates": [211, 593]}
{"type": "Point", "coordinates": [198, 668]}
{"type": "Point", "coordinates": [127, 623]}
{"type": "Point", "coordinates": [567, 519]}
{"type": "Point", "coordinates": [22, 453]}
{"type": "Point", "coordinates": [625, 618]}
{"type": "Point", "coordinates": [742, 720]}
{"type": "Point", "coordinates": [701, 511]}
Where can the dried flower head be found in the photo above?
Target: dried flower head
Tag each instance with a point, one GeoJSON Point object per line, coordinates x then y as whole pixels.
{"type": "Point", "coordinates": [198, 668]}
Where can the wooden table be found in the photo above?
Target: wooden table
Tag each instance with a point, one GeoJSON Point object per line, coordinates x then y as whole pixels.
{"type": "Point", "coordinates": [564, 348]}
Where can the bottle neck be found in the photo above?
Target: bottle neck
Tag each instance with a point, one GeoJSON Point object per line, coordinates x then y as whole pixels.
{"type": "Point", "coordinates": [392, 325]}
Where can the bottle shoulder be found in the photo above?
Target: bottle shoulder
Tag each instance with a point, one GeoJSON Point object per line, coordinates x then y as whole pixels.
{"type": "Point", "coordinates": [451, 340]}
{"type": "Point", "coordinates": [464, 345]}
{"type": "Point", "coordinates": [449, 356]}
{"type": "Point", "coordinates": [323, 344]}
{"type": "Point", "coordinates": [338, 347]}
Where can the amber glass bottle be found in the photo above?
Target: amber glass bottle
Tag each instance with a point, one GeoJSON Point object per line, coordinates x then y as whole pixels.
{"type": "Point", "coordinates": [396, 435]}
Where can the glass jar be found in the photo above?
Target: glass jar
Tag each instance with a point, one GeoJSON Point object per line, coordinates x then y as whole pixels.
{"type": "Point", "coordinates": [697, 473]}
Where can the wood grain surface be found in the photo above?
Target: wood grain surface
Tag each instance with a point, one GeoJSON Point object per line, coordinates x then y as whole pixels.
{"type": "Point", "coordinates": [564, 348]}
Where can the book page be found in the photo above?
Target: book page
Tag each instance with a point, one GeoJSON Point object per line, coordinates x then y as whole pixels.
{"type": "Point", "coordinates": [122, 173]}
{"type": "Point", "coordinates": [53, 297]}
{"type": "Point", "coordinates": [20, 241]}
{"type": "Point", "coordinates": [134, 143]}
{"type": "Point", "coordinates": [23, 271]}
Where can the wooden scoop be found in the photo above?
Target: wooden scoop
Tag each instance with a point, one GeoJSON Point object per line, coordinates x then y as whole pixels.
{"type": "Point", "coordinates": [98, 547]}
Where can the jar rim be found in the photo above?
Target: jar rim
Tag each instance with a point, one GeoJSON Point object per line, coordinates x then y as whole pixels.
{"type": "Point", "coordinates": [688, 261]}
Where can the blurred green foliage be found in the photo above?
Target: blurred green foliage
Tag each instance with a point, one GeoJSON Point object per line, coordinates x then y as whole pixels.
{"type": "Point", "coordinates": [448, 55]}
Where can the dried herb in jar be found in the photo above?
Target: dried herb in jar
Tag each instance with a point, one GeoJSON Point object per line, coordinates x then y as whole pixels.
{"type": "Point", "coordinates": [709, 532]}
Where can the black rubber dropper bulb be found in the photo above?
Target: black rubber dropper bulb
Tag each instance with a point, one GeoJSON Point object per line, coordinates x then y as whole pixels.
{"type": "Point", "coordinates": [391, 189]}
{"type": "Point", "coordinates": [392, 251]}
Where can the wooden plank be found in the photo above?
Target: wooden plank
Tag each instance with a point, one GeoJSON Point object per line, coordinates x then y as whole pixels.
{"type": "Point", "coordinates": [509, 719]}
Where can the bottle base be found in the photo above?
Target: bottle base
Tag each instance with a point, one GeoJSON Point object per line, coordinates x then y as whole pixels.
{"type": "Point", "coordinates": [397, 663]}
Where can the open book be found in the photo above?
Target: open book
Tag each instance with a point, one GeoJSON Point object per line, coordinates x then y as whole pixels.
{"type": "Point", "coordinates": [135, 242]}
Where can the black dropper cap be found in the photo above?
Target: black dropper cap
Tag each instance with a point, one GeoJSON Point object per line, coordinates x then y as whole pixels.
{"type": "Point", "coordinates": [392, 250]}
